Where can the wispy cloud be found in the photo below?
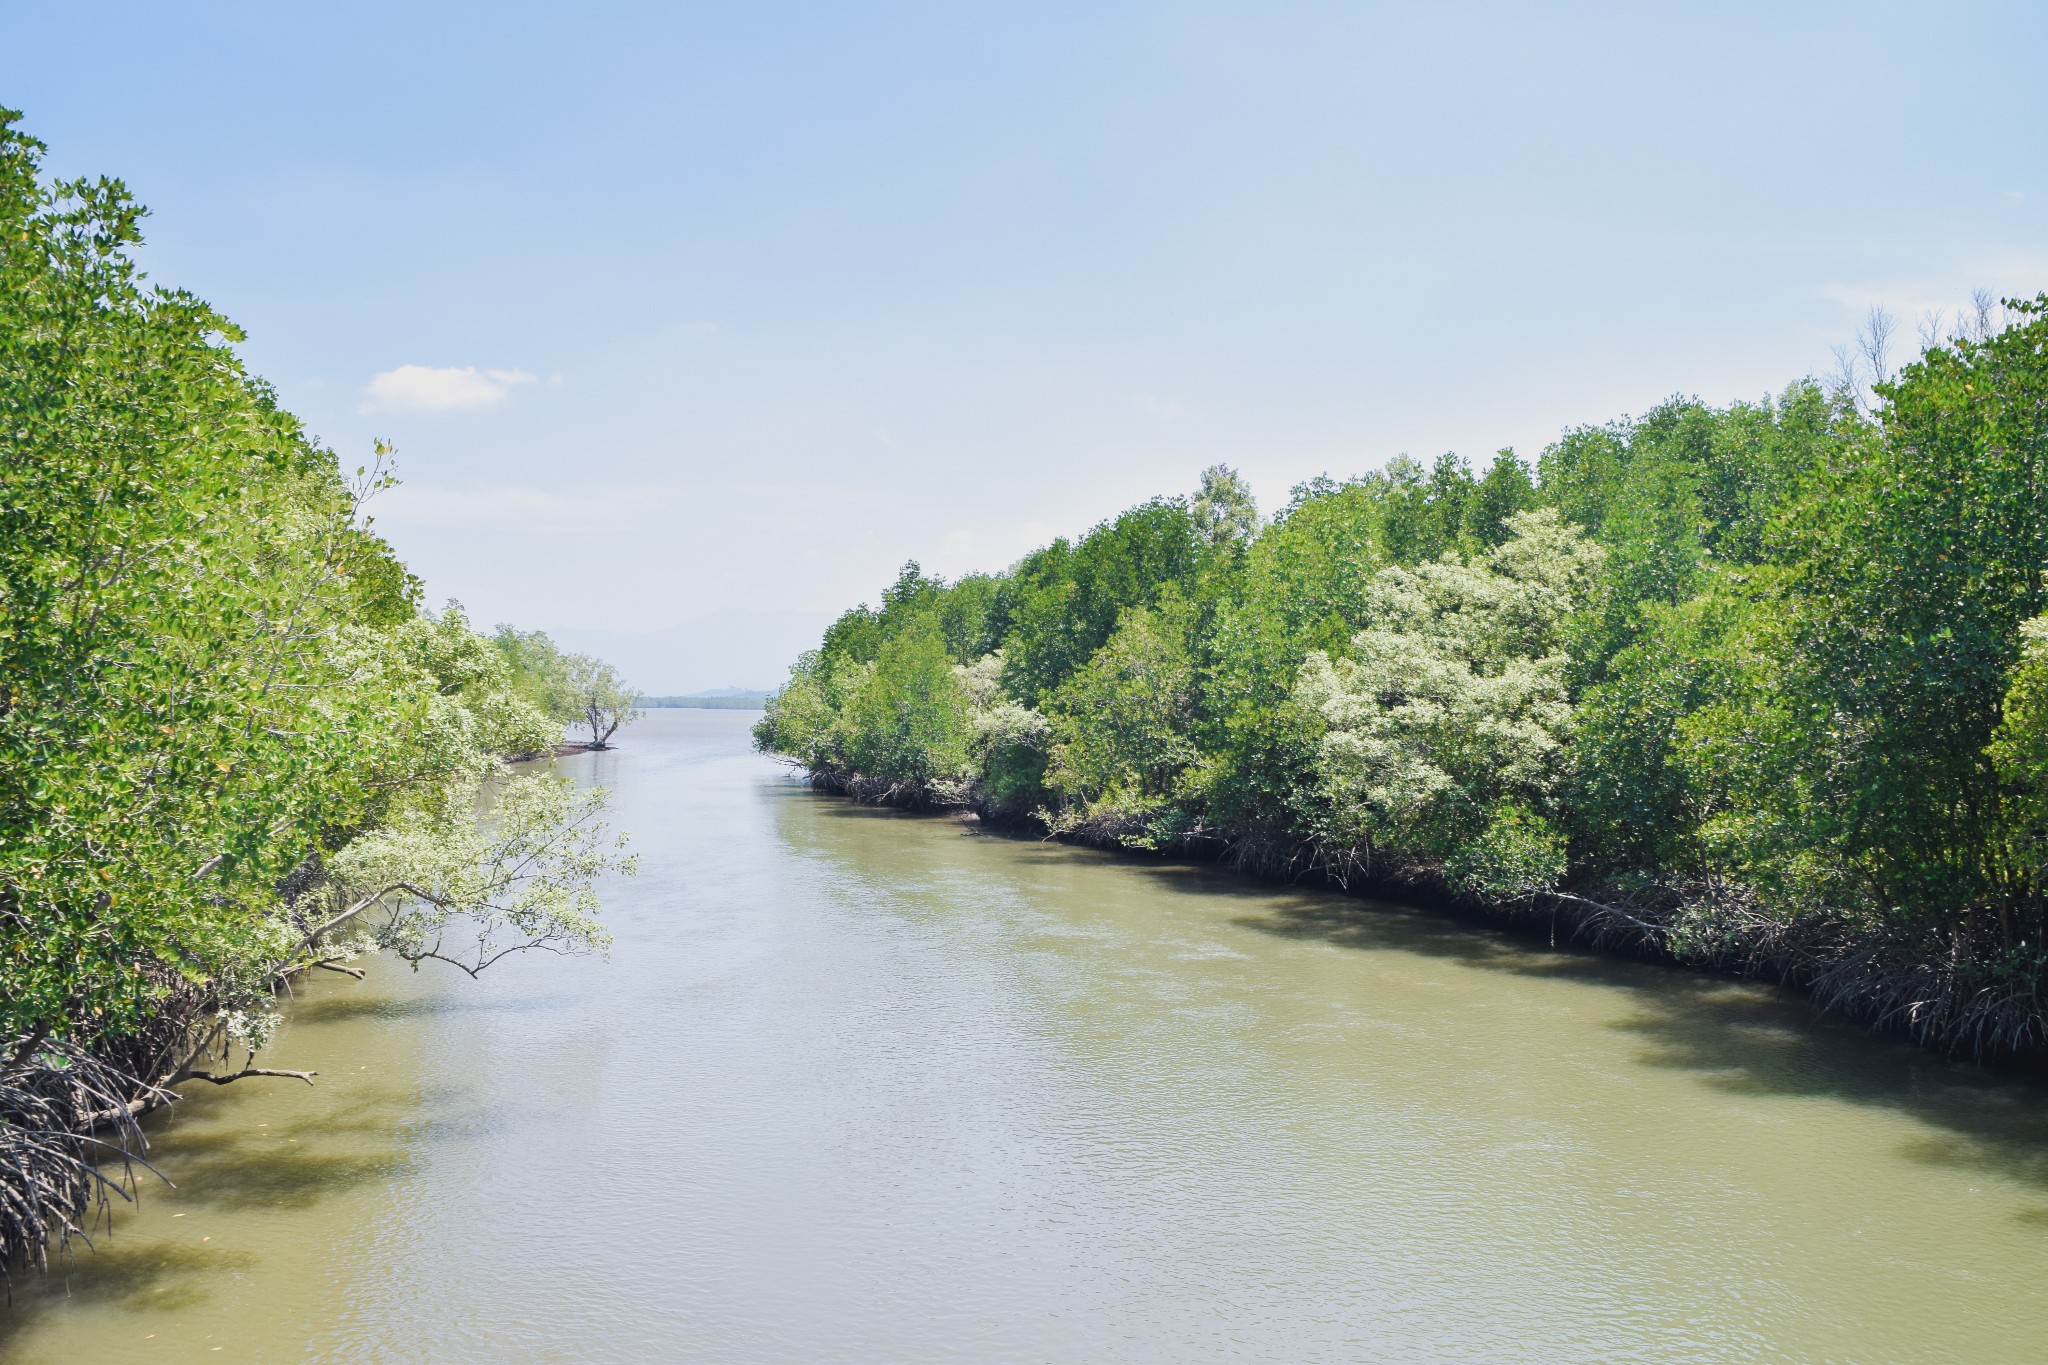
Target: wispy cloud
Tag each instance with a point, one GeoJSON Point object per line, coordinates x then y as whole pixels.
{"type": "Point", "coordinates": [1912, 299]}
{"type": "Point", "coordinates": [426, 388]}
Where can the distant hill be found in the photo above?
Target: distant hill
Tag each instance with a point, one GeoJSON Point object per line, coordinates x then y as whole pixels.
{"type": "Point", "coordinates": [724, 699]}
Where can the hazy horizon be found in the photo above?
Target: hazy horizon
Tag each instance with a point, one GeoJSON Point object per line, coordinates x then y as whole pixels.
{"type": "Point", "coordinates": [729, 647]}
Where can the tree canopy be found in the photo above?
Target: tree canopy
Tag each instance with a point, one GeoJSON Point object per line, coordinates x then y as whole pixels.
{"type": "Point", "coordinates": [1752, 684]}
{"type": "Point", "coordinates": [234, 746]}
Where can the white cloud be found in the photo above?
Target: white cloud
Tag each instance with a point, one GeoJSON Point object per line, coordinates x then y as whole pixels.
{"type": "Point", "coordinates": [425, 388]}
{"type": "Point", "coordinates": [1907, 303]}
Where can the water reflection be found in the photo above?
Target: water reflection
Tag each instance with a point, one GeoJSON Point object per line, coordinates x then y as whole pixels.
{"type": "Point", "coordinates": [1740, 1038]}
{"type": "Point", "coordinates": [863, 1086]}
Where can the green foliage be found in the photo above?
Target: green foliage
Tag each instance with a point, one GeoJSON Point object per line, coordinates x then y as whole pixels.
{"type": "Point", "coordinates": [1683, 490]}
{"type": "Point", "coordinates": [539, 672]}
{"type": "Point", "coordinates": [1516, 854]}
{"type": "Point", "coordinates": [1506, 490]}
{"type": "Point", "coordinates": [2019, 752]}
{"type": "Point", "coordinates": [215, 680]}
{"type": "Point", "coordinates": [796, 721]}
{"type": "Point", "coordinates": [1126, 718]}
{"type": "Point", "coordinates": [1850, 759]}
{"type": "Point", "coordinates": [1067, 598]}
{"type": "Point", "coordinates": [1450, 707]}
{"type": "Point", "coordinates": [1224, 511]}
{"type": "Point", "coordinates": [1425, 511]}
{"type": "Point", "coordinates": [602, 699]}
{"type": "Point", "coordinates": [1636, 803]}
{"type": "Point", "coordinates": [1786, 655]}
{"type": "Point", "coordinates": [971, 616]}
{"type": "Point", "coordinates": [1010, 743]}
{"type": "Point", "coordinates": [521, 881]}
{"type": "Point", "coordinates": [1302, 587]}
{"type": "Point", "coordinates": [904, 717]}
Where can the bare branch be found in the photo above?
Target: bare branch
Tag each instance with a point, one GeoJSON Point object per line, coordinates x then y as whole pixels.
{"type": "Point", "coordinates": [315, 935]}
{"type": "Point", "coordinates": [1984, 311]}
{"type": "Point", "coordinates": [1847, 380]}
{"type": "Point", "coordinates": [244, 1073]}
{"type": "Point", "coordinates": [1930, 329]}
{"type": "Point", "coordinates": [1874, 341]}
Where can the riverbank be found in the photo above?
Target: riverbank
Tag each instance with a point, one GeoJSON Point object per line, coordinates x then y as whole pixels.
{"type": "Point", "coordinates": [1761, 688]}
{"type": "Point", "coordinates": [1927, 991]}
{"type": "Point", "coordinates": [865, 1087]}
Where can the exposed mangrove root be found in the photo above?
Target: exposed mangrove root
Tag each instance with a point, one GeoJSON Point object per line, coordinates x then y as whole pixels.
{"type": "Point", "coordinates": [902, 794]}
{"type": "Point", "coordinates": [71, 1138]}
{"type": "Point", "coordinates": [69, 1144]}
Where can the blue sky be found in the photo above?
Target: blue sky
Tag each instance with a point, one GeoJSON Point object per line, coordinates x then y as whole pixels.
{"type": "Point", "coordinates": [682, 309]}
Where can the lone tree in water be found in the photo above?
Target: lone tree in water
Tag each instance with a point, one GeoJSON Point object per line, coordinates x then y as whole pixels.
{"type": "Point", "coordinates": [603, 701]}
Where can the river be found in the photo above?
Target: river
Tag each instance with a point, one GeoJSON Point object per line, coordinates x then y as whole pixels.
{"type": "Point", "coordinates": [861, 1086]}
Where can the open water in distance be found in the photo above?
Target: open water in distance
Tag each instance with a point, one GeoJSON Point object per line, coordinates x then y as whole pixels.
{"type": "Point", "coordinates": [860, 1086]}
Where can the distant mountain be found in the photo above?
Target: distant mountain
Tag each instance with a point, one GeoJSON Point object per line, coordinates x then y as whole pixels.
{"type": "Point", "coordinates": [724, 699]}
{"type": "Point", "coordinates": [728, 651]}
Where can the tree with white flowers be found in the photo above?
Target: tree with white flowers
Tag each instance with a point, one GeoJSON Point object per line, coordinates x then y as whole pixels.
{"type": "Point", "coordinates": [1444, 725]}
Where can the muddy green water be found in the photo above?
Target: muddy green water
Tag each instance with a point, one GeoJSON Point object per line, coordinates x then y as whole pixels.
{"type": "Point", "coordinates": [856, 1086]}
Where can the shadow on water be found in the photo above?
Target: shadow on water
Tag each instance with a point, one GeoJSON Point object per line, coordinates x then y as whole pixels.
{"type": "Point", "coordinates": [255, 1175]}
{"type": "Point", "coordinates": [289, 1165]}
{"type": "Point", "coordinates": [133, 1274]}
{"type": "Point", "coordinates": [1739, 1037]}
{"type": "Point", "coordinates": [342, 1007]}
{"type": "Point", "coordinates": [222, 1172]}
{"type": "Point", "coordinates": [229, 1172]}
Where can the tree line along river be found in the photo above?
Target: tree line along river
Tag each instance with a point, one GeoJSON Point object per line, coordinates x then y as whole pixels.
{"type": "Point", "coordinates": [862, 1086]}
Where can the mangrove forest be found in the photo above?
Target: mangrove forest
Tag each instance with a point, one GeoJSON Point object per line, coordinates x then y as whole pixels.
{"type": "Point", "coordinates": [1760, 688]}
{"type": "Point", "coordinates": [235, 748]}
